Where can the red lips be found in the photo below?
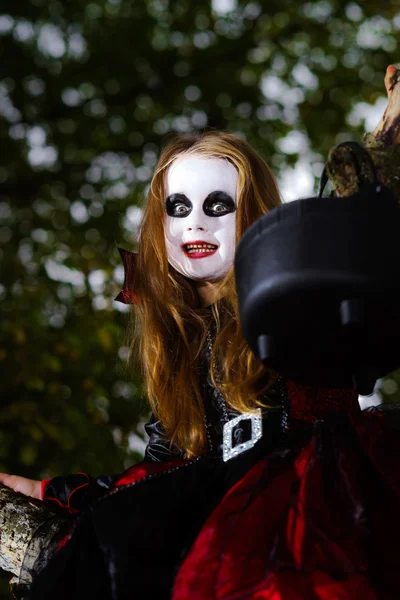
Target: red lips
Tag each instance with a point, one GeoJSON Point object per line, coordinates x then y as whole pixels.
{"type": "Point", "coordinates": [199, 249]}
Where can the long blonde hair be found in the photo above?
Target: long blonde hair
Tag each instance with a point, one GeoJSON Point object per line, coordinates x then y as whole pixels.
{"type": "Point", "coordinates": [170, 327]}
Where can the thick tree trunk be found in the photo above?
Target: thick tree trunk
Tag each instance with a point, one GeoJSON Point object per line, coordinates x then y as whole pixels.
{"type": "Point", "coordinates": [26, 527]}
{"type": "Point", "coordinates": [347, 169]}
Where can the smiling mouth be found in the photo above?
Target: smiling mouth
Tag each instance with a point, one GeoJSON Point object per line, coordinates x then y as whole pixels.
{"type": "Point", "coordinates": [199, 249]}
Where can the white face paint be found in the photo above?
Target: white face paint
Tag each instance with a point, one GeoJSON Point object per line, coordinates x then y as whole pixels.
{"type": "Point", "coordinates": [200, 226]}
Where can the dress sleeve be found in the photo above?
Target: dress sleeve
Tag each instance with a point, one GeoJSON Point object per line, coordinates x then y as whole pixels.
{"type": "Point", "coordinates": [73, 492]}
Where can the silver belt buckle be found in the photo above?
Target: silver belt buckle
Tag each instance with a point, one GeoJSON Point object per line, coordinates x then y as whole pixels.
{"type": "Point", "coordinates": [228, 450]}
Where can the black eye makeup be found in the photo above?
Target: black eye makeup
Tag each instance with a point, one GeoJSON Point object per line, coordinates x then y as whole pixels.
{"type": "Point", "coordinates": [218, 204]}
{"type": "Point", "coordinates": [178, 205]}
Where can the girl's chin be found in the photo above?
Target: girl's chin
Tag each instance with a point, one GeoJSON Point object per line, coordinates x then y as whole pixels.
{"type": "Point", "coordinates": [198, 271]}
{"type": "Point", "coordinates": [212, 273]}
{"type": "Point", "coordinates": [207, 277]}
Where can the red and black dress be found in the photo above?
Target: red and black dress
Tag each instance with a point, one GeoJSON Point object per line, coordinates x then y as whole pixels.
{"type": "Point", "coordinates": [310, 512]}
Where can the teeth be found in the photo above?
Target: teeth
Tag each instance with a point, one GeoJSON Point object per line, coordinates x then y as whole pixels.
{"type": "Point", "coordinates": [197, 250]}
{"type": "Point", "coordinates": [200, 246]}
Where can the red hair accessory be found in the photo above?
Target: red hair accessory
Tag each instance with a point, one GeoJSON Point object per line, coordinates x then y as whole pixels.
{"type": "Point", "coordinates": [127, 295]}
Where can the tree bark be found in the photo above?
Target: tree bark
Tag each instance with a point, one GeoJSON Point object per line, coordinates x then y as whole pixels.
{"type": "Point", "coordinates": [347, 170]}
{"type": "Point", "coordinates": [26, 527]}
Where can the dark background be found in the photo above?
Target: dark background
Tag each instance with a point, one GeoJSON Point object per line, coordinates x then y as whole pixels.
{"type": "Point", "coordinates": [88, 91]}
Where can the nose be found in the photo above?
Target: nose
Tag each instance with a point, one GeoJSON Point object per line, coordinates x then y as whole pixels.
{"type": "Point", "coordinates": [196, 221]}
{"type": "Point", "coordinates": [197, 228]}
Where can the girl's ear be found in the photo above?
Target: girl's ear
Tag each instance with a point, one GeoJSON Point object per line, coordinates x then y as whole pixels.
{"type": "Point", "coordinates": [127, 294]}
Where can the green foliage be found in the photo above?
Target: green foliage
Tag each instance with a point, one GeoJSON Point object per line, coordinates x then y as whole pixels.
{"type": "Point", "coordinates": [88, 92]}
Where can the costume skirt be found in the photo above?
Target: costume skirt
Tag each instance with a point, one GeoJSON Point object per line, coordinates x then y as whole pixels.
{"type": "Point", "coordinates": [311, 514]}
{"type": "Point", "coordinates": [318, 518]}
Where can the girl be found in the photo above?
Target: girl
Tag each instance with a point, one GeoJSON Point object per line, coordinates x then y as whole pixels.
{"type": "Point", "coordinates": [251, 487]}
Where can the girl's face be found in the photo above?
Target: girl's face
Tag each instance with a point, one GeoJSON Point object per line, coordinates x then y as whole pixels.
{"type": "Point", "coordinates": [200, 221]}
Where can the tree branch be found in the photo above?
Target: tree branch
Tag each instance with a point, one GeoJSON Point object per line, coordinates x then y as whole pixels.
{"type": "Point", "coordinates": [21, 527]}
{"type": "Point", "coordinates": [347, 172]}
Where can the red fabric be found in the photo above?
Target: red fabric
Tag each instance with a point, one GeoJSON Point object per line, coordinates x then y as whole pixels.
{"type": "Point", "coordinates": [64, 541]}
{"type": "Point", "coordinates": [146, 469]}
{"type": "Point", "coordinates": [44, 484]}
{"type": "Point", "coordinates": [127, 297]}
{"type": "Point", "coordinates": [295, 586]}
{"type": "Point", "coordinates": [316, 522]}
{"type": "Point", "coordinates": [127, 294]}
{"type": "Point", "coordinates": [308, 403]}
